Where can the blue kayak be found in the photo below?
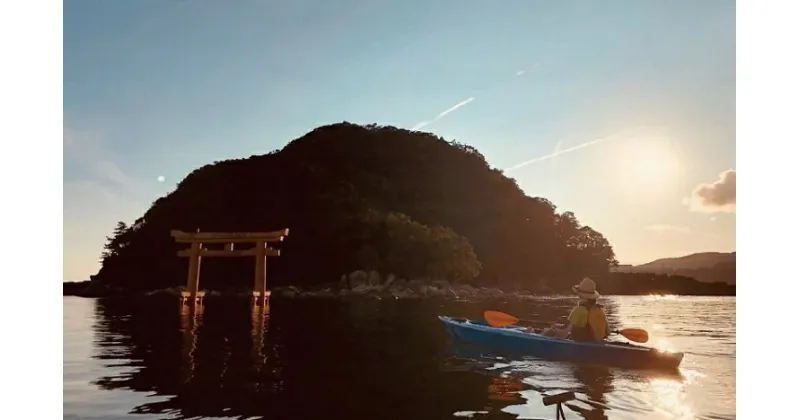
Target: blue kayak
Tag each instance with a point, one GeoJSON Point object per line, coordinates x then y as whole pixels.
{"type": "Point", "coordinates": [517, 339]}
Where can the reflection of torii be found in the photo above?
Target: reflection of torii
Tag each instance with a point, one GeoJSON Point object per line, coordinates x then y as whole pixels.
{"type": "Point", "coordinates": [190, 318]}
{"type": "Point", "coordinates": [259, 315]}
{"type": "Point", "coordinates": [260, 326]}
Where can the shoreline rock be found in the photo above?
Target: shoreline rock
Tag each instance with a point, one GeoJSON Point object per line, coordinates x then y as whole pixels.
{"type": "Point", "coordinates": [358, 284]}
{"type": "Point", "coordinates": [371, 285]}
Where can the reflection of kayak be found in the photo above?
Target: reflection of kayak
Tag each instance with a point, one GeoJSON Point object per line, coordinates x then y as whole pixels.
{"type": "Point", "coordinates": [519, 340]}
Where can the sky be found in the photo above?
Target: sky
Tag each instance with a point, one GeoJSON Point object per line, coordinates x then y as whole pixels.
{"type": "Point", "coordinates": [622, 112]}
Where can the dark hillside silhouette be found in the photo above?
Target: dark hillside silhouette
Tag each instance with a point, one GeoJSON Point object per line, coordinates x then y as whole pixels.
{"type": "Point", "coordinates": [707, 267]}
{"type": "Point", "coordinates": [362, 197]}
{"type": "Point", "coordinates": [691, 261]}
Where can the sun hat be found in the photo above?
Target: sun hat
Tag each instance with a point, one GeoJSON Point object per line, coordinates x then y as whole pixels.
{"type": "Point", "coordinates": [587, 289]}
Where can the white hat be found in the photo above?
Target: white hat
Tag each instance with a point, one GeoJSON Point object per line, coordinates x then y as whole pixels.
{"type": "Point", "coordinates": [587, 289]}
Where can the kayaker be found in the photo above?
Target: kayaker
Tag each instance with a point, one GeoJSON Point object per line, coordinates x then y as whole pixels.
{"type": "Point", "coordinates": [587, 321]}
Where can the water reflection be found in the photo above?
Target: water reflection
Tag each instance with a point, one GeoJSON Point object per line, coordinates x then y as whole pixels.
{"type": "Point", "coordinates": [195, 359]}
{"type": "Point", "coordinates": [670, 398]}
{"type": "Point", "coordinates": [190, 318]}
{"type": "Point", "coordinates": [521, 382]}
{"type": "Point", "coordinates": [372, 359]}
{"type": "Point", "coordinates": [325, 360]}
{"type": "Point", "coordinates": [594, 382]}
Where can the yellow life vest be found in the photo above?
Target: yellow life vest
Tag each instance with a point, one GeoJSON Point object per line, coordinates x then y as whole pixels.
{"type": "Point", "coordinates": [588, 323]}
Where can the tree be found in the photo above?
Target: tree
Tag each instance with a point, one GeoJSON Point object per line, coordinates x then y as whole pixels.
{"type": "Point", "coordinates": [116, 242]}
{"type": "Point", "coordinates": [399, 245]}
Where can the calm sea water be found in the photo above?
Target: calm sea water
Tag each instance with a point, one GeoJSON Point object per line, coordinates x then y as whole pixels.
{"type": "Point", "coordinates": [377, 359]}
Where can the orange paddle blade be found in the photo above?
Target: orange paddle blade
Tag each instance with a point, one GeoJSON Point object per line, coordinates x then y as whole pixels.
{"type": "Point", "coordinates": [499, 319]}
{"type": "Point", "coordinates": [635, 334]}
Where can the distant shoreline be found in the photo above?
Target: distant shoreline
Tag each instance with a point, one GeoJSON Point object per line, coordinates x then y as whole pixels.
{"type": "Point", "coordinates": [406, 290]}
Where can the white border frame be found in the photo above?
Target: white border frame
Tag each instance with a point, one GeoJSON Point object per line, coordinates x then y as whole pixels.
{"type": "Point", "coordinates": [31, 182]}
{"type": "Point", "coordinates": [32, 124]}
{"type": "Point", "coordinates": [766, 150]}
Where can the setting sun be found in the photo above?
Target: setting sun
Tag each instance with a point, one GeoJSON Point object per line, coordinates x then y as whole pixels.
{"type": "Point", "coordinates": [647, 165]}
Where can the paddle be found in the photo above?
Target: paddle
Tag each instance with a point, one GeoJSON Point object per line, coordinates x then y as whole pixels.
{"type": "Point", "coordinates": [501, 319]}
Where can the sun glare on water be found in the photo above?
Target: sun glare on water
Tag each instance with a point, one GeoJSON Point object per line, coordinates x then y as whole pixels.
{"type": "Point", "coordinates": [670, 399]}
{"type": "Point", "coordinates": [664, 346]}
{"type": "Point", "coordinates": [654, 298]}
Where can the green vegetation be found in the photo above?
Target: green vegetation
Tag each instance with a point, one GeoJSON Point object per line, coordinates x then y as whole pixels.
{"type": "Point", "coordinates": [362, 197]}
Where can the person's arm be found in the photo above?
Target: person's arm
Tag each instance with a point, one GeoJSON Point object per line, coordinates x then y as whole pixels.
{"type": "Point", "coordinates": [561, 324]}
{"type": "Point", "coordinates": [560, 329]}
{"type": "Point", "coordinates": [567, 322]}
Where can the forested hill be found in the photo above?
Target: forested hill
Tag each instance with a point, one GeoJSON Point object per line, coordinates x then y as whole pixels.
{"type": "Point", "coordinates": [361, 197]}
{"type": "Point", "coordinates": [706, 267]}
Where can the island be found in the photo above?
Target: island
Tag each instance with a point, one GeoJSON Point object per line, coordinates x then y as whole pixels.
{"type": "Point", "coordinates": [375, 207]}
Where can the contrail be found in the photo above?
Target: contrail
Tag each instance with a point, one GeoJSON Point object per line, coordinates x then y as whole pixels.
{"type": "Point", "coordinates": [559, 152]}
{"type": "Point", "coordinates": [443, 113]}
{"type": "Point", "coordinates": [521, 72]}
{"type": "Point", "coordinates": [462, 103]}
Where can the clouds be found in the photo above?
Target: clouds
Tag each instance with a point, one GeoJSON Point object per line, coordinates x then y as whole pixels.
{"type": "Point", "coordinates": [109, 170]}
{"type": "Point", "coordinates": [87, 154]}
{"type": "Point", "coordinates": [443, 113]}
{"type": "Point", "coordinates": [97, 190]}
{"type": "Point", "coordinates": [717, 197]}
{"type": "Point", "coordinates": [679, 233]}
{"type": "Point", "coordinates": [668, 229]}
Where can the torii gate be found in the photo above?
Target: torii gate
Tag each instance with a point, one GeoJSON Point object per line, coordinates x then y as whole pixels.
{"type": "Point", "coordinates": [261, 251]}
